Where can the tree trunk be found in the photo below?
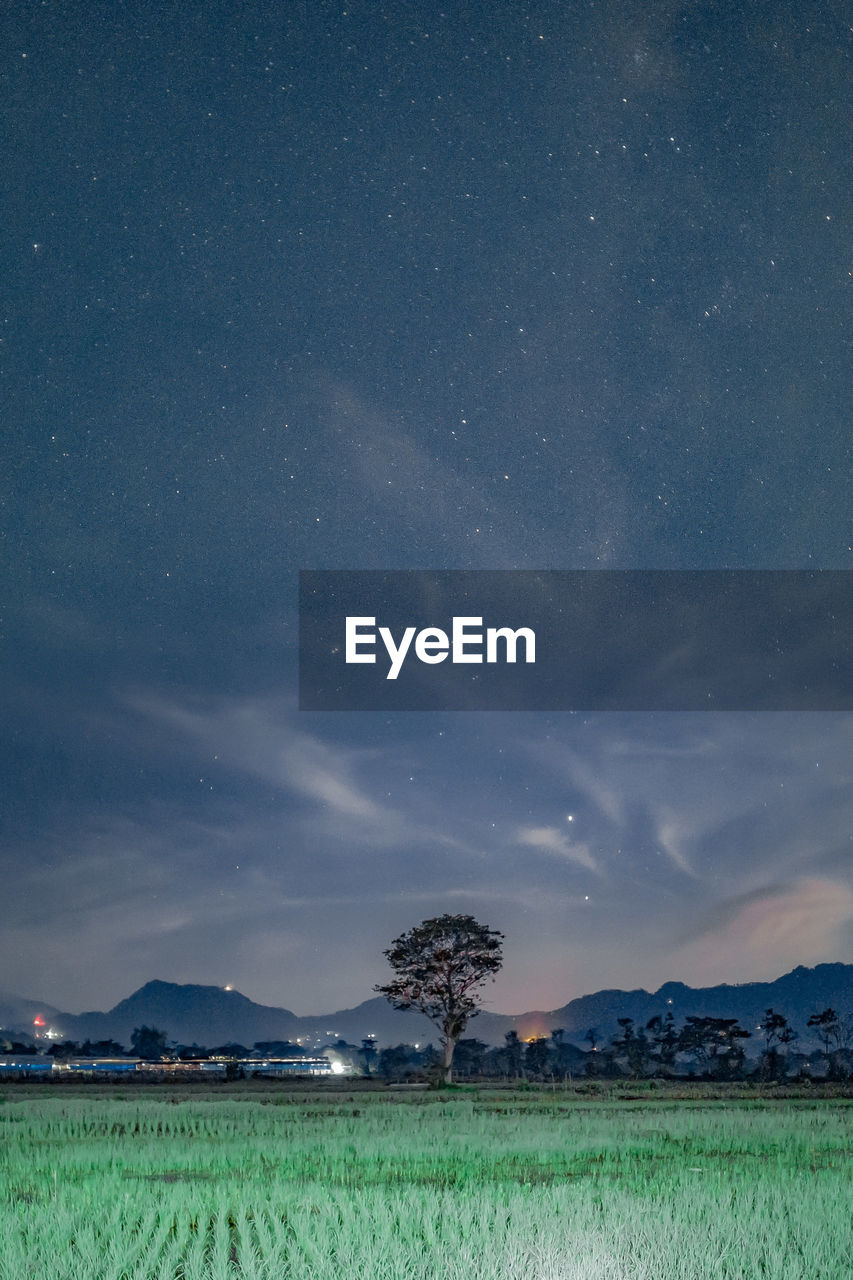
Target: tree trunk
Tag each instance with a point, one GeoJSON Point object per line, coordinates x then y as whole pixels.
{"type": "Point", "coordinates": [449, 1046]}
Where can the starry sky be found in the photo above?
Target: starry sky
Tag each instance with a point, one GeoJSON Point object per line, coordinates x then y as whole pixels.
{"type": "Point", "coordinates": [317, 285]}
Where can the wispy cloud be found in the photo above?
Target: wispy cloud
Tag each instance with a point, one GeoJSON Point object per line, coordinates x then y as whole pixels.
{"type": "Point", "coordinates": [325, 774]}
{"type": "Point", "coordinates": [257, 737]}
{"type": "Point", "coordinates": [768, 931]}
{"type": "Point", "coordinates": [341, 793]}
{"type": "Point", "coordinates": [556, 843]}
{"type": "Point", "coordinates": [674, 832]}
{"type": "Point", "coordinates": [591, 783]}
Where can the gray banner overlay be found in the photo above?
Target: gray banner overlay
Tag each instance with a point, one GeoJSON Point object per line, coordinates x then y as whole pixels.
{"type": "Point", "coordinates": [581, 640]}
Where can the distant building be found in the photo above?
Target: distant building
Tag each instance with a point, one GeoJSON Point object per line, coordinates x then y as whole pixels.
{"type": "Point", "coordinates": [23, 1064]}
{"type": "Point", "coordinates": [287, 1066]}
{"type": "Point", "coordinates": [103, 1066]}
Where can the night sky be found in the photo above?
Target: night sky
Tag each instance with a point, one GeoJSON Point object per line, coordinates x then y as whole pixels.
{"type": "Point", "coordinates": [391, 286]}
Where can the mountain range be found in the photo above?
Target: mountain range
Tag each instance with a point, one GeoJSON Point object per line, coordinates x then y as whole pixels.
{"type": "Point", "coordinates": [206, 1015]}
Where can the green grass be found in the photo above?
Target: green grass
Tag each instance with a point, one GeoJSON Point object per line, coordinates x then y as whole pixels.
{"type": "Point", "coordinates": [275, 1184]}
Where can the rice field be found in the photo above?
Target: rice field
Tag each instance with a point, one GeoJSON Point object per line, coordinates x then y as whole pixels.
{"type": "Point", "coordinates": [207, 1184]}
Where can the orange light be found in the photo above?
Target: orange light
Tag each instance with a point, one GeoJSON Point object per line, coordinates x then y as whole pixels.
{"type": "Point", "coordinates": [38, 1021]}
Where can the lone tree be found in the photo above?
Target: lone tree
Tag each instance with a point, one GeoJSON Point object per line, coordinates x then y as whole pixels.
{"type": "Point", "coordinates": [439, 966]}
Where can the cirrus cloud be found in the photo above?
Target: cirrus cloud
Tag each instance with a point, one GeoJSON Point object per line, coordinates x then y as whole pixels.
{"type": "Point", "coordinates": [552, 841]}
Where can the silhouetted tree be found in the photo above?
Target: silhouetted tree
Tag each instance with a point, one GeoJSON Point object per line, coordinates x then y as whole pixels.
{"type": "Point", "coordinates": [278, 1049]}
{"type": "Point", "coordinates": [715, 1043]}
{"type": "Point", "coordinates": [777, 1031]}
{"type": "Point", "coordinates": [148, 1043]}
{"type": "Point", "coordinates": [230, 1050]}
{"type": "Point", "coordinates": [368, 1053]}
{"type": "Point", "coordinates": [536, 1056]}
{"type": "Point", "coordinates": [192, 1053]}
{"type": "Point", "coordinates": [631, 1048]}
{"type": "Point", "coordinates": [439, 966]}
{"type": "Point", "coordinates": [68, 1049]}
{"type": "Point", "coordinates": [399, 1061]}
{"type": "Point", "coordinates": [512, 1054]}
{"type": "Point", "coordinates": [773, 1025]}
{"type": "Point", "coordinates": [827, 1027]}
{"type": "Point", "coordinates": [469, 1057]}
{"type": "Point", "coordinates": [562, 1054]}
{"type": "Point", "coordinates": [18, 1047]}
{"type": "Point", "coordinates": [595, 1064]}
{"type": "Point", "coordinates": [663, 1043]}
{"type": "Point", "coordinates": [102, 1049]}
{"type": "Point", "coordinates": [845, 1031]}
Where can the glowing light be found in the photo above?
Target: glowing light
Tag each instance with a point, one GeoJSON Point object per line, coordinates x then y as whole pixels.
{"type": "Point", "coordinates": [337, 1068]}
{"type": "Point", "coordinates": [38, 1021]}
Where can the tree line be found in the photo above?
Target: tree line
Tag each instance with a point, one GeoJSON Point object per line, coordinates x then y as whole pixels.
{"type": "Point", "coordinates": [441, 966]}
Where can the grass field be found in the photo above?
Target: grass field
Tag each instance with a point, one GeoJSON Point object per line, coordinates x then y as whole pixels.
{"type": "Point", "coordinates": [215, 1183]}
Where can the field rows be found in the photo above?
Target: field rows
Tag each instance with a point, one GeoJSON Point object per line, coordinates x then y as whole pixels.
{"type": "Point", "coordinates": [104, 1188]}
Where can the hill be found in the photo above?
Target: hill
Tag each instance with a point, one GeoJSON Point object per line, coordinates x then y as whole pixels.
{"type": "Point", "coordinates": [189, 1013]}
{"type": "Point", "coordinates": [206, 1015]}
{"type": "Point", "coordinates": [797, 995]}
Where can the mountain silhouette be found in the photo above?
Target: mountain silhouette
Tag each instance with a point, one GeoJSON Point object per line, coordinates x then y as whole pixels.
{"type": "Point", "coordinates": [193, 1014]}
